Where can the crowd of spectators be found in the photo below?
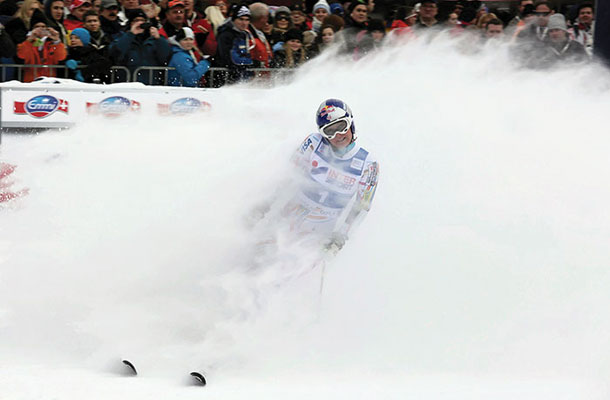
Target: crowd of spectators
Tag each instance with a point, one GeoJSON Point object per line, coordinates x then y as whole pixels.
{"type": "Point", "coordinates": [90, 36]}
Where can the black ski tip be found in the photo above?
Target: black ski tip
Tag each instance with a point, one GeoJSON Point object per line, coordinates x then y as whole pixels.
{"type": "Point", "coordinates": [198, 378]}
{"type": "Point", "coordinates": [131, 368]}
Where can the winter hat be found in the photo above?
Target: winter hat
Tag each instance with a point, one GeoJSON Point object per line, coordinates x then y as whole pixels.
{"type": "Point", "coordinates": [83, 35]}
{"type": "Point", "coordinates": [557, 21]}
{"type": "Point", "coordinates": [135, 13]}
{"type": "Point", "coordinates": [336, 9]}
{"type": "Point", "coordinates": [239, 11]}
{"type": "Point", "coordinates": [109, 3]}
{"type": "Point", "coordinates": [321, 4]}
{"type": "Point", "coordinates": [292, 34]}
{"type": "Point", "coordinates": [184, 33]}
{"type": "Point", "coordinates": [297, 8]}
{"type": "Point", "coordinates": [356, 3]}
{"type": "Point", "coordinates": [78, 3]}
{"type": "Point", "coordinates": [282, 10]}
{"type": "Point", "coordinates": [38, 17]}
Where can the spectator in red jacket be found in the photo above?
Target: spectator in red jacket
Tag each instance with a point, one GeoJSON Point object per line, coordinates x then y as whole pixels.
{"type": "Point", "coordinates": [203, 30]}
{"type": "Point", "coordinates": [78, 8]}
{"type": "Point", "coordinates": [259, 19]}
{"type": "Point", "coordinates": [42, 47]}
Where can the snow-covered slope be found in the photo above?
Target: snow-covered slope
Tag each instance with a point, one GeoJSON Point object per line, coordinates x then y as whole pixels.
{"type": "Point", "coordinates": [481, 271]}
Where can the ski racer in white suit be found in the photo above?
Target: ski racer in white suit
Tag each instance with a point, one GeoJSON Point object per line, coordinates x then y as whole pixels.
{"type": "Point", "coordinates": [340, 177]}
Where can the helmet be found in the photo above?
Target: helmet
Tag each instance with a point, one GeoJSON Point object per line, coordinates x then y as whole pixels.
{"type": "Point", "coordinates": [335, 117]}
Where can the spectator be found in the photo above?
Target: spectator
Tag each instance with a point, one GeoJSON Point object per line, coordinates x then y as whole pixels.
{"type": "Point", "coordinates": [141, 47]}
{"type": "Point", "coordinates": [452, 21]}
{"type": "Point", "coordinates": [100, 42]}
{"type": "Point", "coordinates": [292, 54]}
{"type": "Point", "coordinates": [8, 8]}
{"type": "Point", "coordinates": [41, 47]}
{"type": "Point", "coordinates": [323, 41]}
{"type": "Point", "coordinates": [355, 24]}
{"type": "Point", "coordinates": [259, 19]}
{"type": "Point", "coordinates": [299, 18]}
{"type": "Point", "coordinates": [538, 30]}
{"type": "Point", "coordinates": [235, 43]}
{"type": "Point", "coordinates": [223, 7]}
{"type": "Point", "coordinates": [518, 19]}
{"type": "Point", "coordinates": [96, 6]}
{"type": "Point", "coordinates": [494, 29]}
{"type": "Point", "coordinates": [484, 20]}
{"type": "Point", "coordinates": [560, 47]}
{"type": "Point", "coordinates": [127, 6]}
{"type": "Point", "coordinates": [337, 9]}
{"type": "Point", "coordinates": [174, 18]}
{"type": "Point", "coordinates": [214, 17]}
{"type": "Point", "coordinates": [404, 19]}
{"type": "Point", "coordinates": [152, 11]}
{"type": "Point", "coordinates": [528, 17]}
{"type": "Point", "coordinates": [7, 47]}
{"type": "Point", "coordinates": [321, 10]}
{"type": "Point", "coordinates": [19, 26]}
{"type": "Point", "coordinates": [282, 22]}
{"type": "Point", "coordinates": [204, 34]}
{"type": "Point", "coordinates": [188, 71]}
{"type": "Point", "coordinates": [54, 11]}
{"type": "Point", "coordinates": [336, 21]}
{"type": "Point", "coordinates": [427, 14]}
{"type": "Point", "coordinates": [78, 8]}
{"type": "Point", "coordinates": [371, 39]}
{"type": "Point", "coordinates": [583, 29]}
{"type": "Point", "coordinates": [109, 19]}
{"type": "Point", "coordinates": [80, 52]}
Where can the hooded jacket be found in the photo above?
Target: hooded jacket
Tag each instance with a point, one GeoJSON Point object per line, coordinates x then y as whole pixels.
{"type": "Point", "coordinates": [187, 72]}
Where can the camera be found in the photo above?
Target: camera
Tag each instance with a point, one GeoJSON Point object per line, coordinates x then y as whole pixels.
{"type": "Point", "coordinates": [146, 25]}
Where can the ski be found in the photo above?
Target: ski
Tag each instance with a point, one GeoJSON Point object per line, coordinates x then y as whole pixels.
{"type": "Point", "coordinates": [131, 369]}
{"type": "Point", "coordinates": [198, 378]}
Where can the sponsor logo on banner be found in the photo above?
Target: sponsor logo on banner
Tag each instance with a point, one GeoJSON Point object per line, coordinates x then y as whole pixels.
{"type": "Point", "coordinates": [184, 105]}
{"type": "Point", "coordinates": [113, 106]}
{"type": "Point", "coordinates": [40, 106]}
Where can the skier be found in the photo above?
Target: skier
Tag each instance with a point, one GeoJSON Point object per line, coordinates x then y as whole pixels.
{"type": "Point", "coordinates": [340, 178]}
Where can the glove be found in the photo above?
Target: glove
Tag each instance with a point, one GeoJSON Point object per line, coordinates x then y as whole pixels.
{"type": "Point", "coordinates": [278, 46]}
{"type": "Point", "coordinates": [72, 64]}
{"type": "Point", "coordinates": [335, 243]}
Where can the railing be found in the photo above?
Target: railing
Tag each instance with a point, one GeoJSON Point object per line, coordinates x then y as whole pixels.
{"type": "Point", "coordinates": [215, 77]}
{"type": "Point", "coordinates": [116, 73]}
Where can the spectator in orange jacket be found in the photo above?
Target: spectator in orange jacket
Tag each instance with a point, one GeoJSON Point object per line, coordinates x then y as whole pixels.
{"type": "Point", "coordinates": [41, 47]}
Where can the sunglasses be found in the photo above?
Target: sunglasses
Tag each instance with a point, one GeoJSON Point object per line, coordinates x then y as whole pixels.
{"type": "Point", "coordinates": [541, 14]}
{"type": "Point", "coordinates": [283, 18]}
{"type": "Point", "coordinates": [337, 127]}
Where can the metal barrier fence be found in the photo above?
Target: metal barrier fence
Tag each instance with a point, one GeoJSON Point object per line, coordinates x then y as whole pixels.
{"type": "Point", "coordinates": [215, 77]}
{"type": "Point", "coordinates": [116, 73]}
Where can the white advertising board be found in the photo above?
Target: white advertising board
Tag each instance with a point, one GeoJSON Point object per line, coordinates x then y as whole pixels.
{"type": "Point", "coordinates": [58, 103]}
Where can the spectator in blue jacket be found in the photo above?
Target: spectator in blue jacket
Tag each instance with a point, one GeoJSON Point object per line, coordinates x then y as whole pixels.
{"type": "Point", "coordinates": [235, 43]}
{"type": "Point", "coordinates": [188, 71]}
{"type": "Point", "coordinates": [141, 46]}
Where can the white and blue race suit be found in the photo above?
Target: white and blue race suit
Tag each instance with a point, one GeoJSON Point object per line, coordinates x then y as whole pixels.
{"type": "Point", "coordinates": [337, 189]}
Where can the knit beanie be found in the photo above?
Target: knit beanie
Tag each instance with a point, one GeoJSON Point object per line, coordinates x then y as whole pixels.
{"type": "Point", "coordinates": [83, 35]}
{"type": "Point", "coordinates": [336, 9]}
{"type": "Point", "coordinates": [240, 10]}
{"type": "Point", "coordinates": [292, 34]}
{"type": "Point", "coordinates": [557, 21]}
{"type": "Point", "coordinates": [38, 17]}
{"type": "Point", "coordinates": [281, 9]}
{"type": "Point", "coordinates": [321, 4]}
{"type": "Point", "coordinates": [356, 3]}
{"type": "Point", "coordinates": [184, 33]}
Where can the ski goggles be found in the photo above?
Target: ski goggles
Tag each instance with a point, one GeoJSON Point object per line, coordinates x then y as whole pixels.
{"type": "Point", "coordinates": [337, 127]}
